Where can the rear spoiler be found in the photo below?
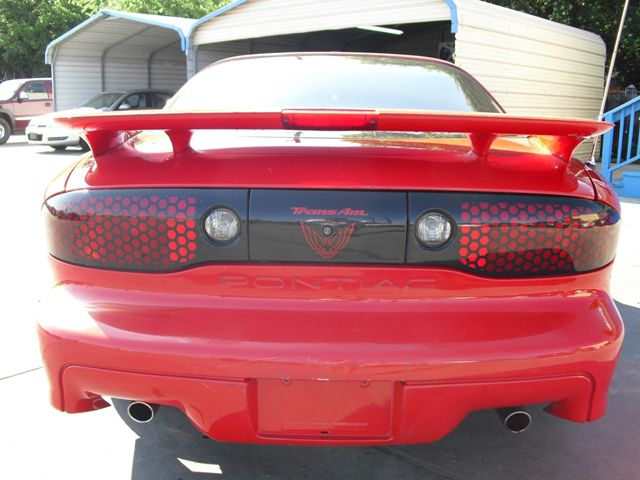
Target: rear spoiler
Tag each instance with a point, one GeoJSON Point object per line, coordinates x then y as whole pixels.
{"type": "Point", "coordinates": [560, 136]}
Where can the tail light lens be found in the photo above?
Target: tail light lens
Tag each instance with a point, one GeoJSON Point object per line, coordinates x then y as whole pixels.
{"type": "Point", "coordinates": [518, 235]}
{"type": "Point", "coordinates": [536, 237]}
{"type": "Point", "coordinates": [137, 229]}
{"type": "Point", "coordinates": [485, 234]}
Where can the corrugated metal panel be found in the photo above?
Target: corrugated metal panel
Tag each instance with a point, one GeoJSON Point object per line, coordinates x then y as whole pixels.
{"type": "Point", "coordinates": [126, 53]}
{"type": "Point", "coordinates": [76, 80]}
{"type": "Point", "coordinates": [532, 65]}
{"type": "Point", "coordinates": [263, 18]}
{"type": "Point", "coordinates": [126, 65]}
{"type": "Point", "coordinates": [125, 74]}
{"type": "Point", "coordinates": [212, 53]}
{"type": "Point", "coordinates": [76, 69]}
{"type": "Point", "coordinates": [168, 69]}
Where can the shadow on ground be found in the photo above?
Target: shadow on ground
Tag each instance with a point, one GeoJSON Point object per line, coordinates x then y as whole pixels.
{"type": "Point", "coordinates": [480, 448]}
{"type": "Point", "coordinates": [70, 151]}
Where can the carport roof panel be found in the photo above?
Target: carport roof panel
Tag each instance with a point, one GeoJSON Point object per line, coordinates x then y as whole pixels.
{"type": "Point", "coordinates": [181, 26]}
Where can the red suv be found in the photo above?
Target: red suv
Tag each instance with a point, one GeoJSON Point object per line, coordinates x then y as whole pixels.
{"type": "Point", "coordinates": [21, 100]}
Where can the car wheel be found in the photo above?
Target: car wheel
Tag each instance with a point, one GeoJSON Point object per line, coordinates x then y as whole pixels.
{"type": "Point", "coordinates": [59, 148]}
{"type": "Point", "coordinates": [5, 131]}
{"type": "Point", "coordinates": [84, 146]}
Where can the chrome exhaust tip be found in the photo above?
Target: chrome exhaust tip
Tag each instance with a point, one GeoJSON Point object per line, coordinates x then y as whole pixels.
{"type": "Point", "coordinates": [515, 419]}
{"type": "Point", "coordinates": [142, 412]}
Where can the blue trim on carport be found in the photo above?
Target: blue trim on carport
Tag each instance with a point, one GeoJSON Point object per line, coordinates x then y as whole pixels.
{"type": "Point", "coordinates": [54, 43]}
{"type": "Point", "coordinates": [210, 16]}
{"type": "Point", "coordinates": [171, 23]}
{"type": "Point", "coordinates": [454, 14]}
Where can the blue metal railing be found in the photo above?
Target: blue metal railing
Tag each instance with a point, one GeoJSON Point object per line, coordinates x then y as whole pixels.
{"type": "Point", "coordinates": [621, 145]}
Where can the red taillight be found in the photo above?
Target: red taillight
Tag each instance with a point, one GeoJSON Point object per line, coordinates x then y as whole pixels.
{"type": "Point", "coordinates": [536, 237]}
{"type": "Point", "coordinates": [127, 231]}
{"type": "Point", "coordinates": [486, 234]}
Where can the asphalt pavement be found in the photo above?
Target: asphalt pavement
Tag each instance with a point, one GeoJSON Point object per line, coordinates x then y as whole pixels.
{"type": "Point", "coordinates": [38, 442]}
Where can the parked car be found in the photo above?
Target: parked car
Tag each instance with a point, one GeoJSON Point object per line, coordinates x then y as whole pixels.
{"type": "Point", "coordinates": [357, 249]}
{"type": "Point", "coordinates": [20, 101]}
{"type": "Point", "coordinates": [43, 131]}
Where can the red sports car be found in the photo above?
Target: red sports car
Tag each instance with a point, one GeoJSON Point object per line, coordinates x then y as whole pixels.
{"type": "Point", "coordinates": [331, 249]}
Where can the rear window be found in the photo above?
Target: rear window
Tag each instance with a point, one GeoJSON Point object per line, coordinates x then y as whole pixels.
{"type": "Point", "coordinates": [332, 81]}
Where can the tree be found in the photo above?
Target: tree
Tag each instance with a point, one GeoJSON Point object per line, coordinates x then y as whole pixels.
{"type": "Point", "coordinates": [598, 16]}
{"type": "Point", "coordinates": [187, 9]}
{"type": "Point", "coordinates": [27, 26]}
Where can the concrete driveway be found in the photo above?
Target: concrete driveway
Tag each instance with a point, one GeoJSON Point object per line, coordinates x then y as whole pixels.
{"type": "Point", "coordinates": [37, 442]}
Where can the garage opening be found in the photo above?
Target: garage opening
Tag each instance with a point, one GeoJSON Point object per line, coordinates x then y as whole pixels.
{"type": "Point", "coordinates": [430, 39]}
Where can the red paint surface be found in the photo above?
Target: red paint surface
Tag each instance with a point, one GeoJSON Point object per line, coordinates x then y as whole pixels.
{"type": "Point", "coordinates": [338, 164]}
{"type": "Point", "coordinates": [560, 136]}
{"type": "Point", "coordinates": [346, 355]}
{"type": "Point", "coordinates": [446, 343]}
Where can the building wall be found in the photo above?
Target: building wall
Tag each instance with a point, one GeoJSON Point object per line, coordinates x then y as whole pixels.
{"type": "Point", "coordinates": [531, 65]}
{"type": "Point", "coordinates": [76, 77]}
{"type": "Point", "coordinates": [208, 54]}
{"type": "Point", "coordinates": [168, 69]}
{"type": "Point", "coordinates": [128, 63]}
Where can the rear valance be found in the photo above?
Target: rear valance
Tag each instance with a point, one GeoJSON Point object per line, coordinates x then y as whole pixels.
{"type": "Point", "coordinates": [560, 136]}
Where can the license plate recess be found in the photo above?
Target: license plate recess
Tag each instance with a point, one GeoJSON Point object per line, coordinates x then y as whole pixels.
{"type": "Point", "coordinates": [325, 409]}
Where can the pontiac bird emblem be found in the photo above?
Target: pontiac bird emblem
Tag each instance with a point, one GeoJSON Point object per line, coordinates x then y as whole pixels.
{"type": "Point", "coordinates": [330, 242]}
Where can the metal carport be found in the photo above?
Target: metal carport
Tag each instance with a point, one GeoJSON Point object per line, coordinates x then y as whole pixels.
{"type": "Point", "coordinates": [118, 51]}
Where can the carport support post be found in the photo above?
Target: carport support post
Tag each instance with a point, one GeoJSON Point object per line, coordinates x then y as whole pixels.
{"type": "Point", "coordinates": [192, 61]}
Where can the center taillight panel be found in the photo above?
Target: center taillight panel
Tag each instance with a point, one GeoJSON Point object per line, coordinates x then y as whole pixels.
{"type": "Point", "coordinates": [486, 234]}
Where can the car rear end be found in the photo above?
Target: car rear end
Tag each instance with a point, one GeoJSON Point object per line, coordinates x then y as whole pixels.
{"type": "Point", "coordinates": [298, 278]}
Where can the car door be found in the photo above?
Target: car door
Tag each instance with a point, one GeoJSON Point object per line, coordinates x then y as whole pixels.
{"type": "Point", "coordinates": [34, 98]}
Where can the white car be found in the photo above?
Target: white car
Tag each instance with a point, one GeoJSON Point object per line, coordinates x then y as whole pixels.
{"type": "Point", "coordinates": [43, 131]}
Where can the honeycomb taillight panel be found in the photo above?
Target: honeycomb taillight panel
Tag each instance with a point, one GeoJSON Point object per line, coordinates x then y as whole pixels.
{"type": "Point", "coordinates": [541, 237]}
{"type": "Point", "coordinates": [492, 235]}
{"type": "Point", "coordinates": [139, 229]}
{"type": "Point", "coordinates": [518, 235]}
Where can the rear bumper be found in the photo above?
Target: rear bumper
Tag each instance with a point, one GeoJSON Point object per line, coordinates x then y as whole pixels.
{"type": "Point", "coordinates": [402, 368]}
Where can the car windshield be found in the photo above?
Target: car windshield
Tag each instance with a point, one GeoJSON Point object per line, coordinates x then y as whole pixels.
{"type": "Point", "coordinates": [333, 81]}
{"type": "Point", "coordinates": [102, 101]}
{"type": "Point", "coordinates": [9, 88]}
